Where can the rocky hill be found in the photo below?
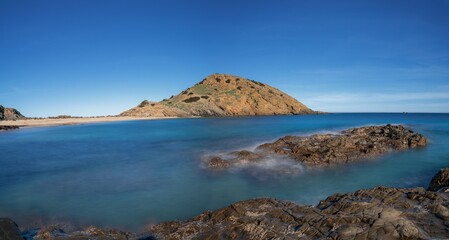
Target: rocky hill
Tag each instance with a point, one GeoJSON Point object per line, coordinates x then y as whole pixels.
{"type": "Point", "coordinates": [10, 114]}
{"type": "Point", "coordinates": [223, 95]}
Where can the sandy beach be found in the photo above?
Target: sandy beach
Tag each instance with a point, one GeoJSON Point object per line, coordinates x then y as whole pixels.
{"type": "Point", "coordinates": [72, 121]}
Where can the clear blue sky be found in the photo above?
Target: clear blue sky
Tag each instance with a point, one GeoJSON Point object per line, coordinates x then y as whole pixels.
{"type": "Point", "coordinates": [102, 57]}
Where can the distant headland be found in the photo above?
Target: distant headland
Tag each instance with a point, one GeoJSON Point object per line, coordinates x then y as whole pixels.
{"type": "Point", "coordinates": [217, 95]}
{"type": "Point", "coordinates": [223, 95]}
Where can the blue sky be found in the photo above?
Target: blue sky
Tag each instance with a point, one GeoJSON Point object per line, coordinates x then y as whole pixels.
{"type": "Point", "coordinates": [90, 57]}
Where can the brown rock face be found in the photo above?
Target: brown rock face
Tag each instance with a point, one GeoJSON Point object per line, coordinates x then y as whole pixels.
{"type": "Point", "coordinates": [440, 180]}
{"type": "Point", "coordinates": [154, 109]}
{"type": "Point", "coordinates": [224, 95]}
{"type": "Point", "coordinates": [378, 213]}
{"type": "Point", "coordinates": [10, 114]}
{"type": "Point", "coordinates": [332, 149]}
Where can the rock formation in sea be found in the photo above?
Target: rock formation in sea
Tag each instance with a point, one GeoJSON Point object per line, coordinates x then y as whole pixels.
{"type": "Point", "coordinates": [223, 95]}
{"type": "Point", "coordinates": [327, 149]}
{"type": "Point", "coordinates": [440, 180]}
{"type": "Point", "coordinates": [10, 114]}
{"type": "Point", "coordinates": [377, 213]}
{"type": "Point", "coordinates": [5, 128]}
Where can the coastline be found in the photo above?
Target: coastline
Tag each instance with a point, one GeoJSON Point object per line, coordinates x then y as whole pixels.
{"type": "Point", "coordinates": [375, 213]}
{"type": "Point", "coordinates": [47, 122]}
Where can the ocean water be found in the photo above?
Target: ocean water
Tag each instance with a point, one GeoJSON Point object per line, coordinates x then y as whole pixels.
{"type": "Point", "coordinates": [135, 173]}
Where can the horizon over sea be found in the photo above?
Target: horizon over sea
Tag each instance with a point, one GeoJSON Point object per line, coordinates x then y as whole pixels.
{"type": "Point", "coordinates": [133, 173]}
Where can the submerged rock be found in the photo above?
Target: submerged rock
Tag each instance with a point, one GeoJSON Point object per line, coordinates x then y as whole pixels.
{"type": "Point", "coordinates": [332, 149]}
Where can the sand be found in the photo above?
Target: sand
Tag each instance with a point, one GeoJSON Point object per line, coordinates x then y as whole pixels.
{"type": "Point", "coordinates": [72, 121]}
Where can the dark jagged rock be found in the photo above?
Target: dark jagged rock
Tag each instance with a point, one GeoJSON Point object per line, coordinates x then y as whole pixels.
{"type": "Point", "coordinates": [9, 230]}
{"type": "Point", "coordinates": [332, 149]}
{"type": "Point", "coordinates": [378, 213]}
{"type": "Point", "coordinates": [6, 127]}
{"type": "Point", "coordinates": [10, 114]}
{"type": "Point", "coordinates": [65, 232]}
{"type": "Point", "coordinates": [440, 180]}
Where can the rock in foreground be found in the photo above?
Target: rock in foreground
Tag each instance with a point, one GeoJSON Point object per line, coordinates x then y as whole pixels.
{"type": "Point", "coordinates": [328, 149]}
{"type": "Point", "coordinates": [440, 180]}
{"type": "Point", "coordinates": [378, 213]}
{"type": "Point", "coordinates": [9, 230]}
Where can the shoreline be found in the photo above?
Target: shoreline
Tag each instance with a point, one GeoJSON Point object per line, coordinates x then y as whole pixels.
{"type": "Point", "coordinates": [373, 213]}
{"type": "Point", "coordinates": [49, 122]}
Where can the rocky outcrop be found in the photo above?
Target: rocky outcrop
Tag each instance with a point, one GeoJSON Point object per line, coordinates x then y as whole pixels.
{"type": "Point", "coordinates": [440, 180]}
{"type": "Point", "coordinates": [377, 213]}
{"type": "Point", "coordinates": [10, 114]}
{"type": "Point", "coordinates": [67, 233]}
{"type": "Point", "coordinates": [327, 149]}
{"type": "Point", "coordinates": [9, 230]}
{"type": "Point", "coordinates": [7, 127]}
{"type": "Point", "coordinates": [223, 95]}
{"type": "Point", "coordinates": [154, 109]}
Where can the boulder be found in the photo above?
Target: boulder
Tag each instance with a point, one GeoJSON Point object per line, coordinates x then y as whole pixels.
{"type": "Point", "coordinates": [440, 180]}
{"type": "Point", "coordinates": [378, 213]}
{"type": "Point", "coordinates": [9, 230]}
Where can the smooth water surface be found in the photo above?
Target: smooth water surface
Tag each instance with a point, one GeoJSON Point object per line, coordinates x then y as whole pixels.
{"type": "Point", "coordinates": [130, 174]}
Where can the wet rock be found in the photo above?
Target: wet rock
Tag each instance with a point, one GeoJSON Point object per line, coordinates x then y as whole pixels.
{"type": "Point", "coordinates": [332, 149]}
{"type": "Point", "coordinates": [6, 127]}
{"type": "Point", "coordinates": [9, 230]}
{"type": "Point", "coordinates": [218, 163]}
{"type": "Point", "coordinates": [440, 180]}
{"type": "Point", "coordinates": [237, 158]}
{"type": "Point", "coordinates": [59, 232]}
{"type": "Point", "coordinates": [378, 213]}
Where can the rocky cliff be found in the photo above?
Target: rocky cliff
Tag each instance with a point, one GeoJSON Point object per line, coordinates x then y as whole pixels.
{"type": "Point", "coordinates": [10, 114]}
{"type": "Point", "coordinates": [223, 95]}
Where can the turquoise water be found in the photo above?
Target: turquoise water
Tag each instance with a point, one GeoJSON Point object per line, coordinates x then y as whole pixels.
{"type": "Point", "coordinates": [131, 174]}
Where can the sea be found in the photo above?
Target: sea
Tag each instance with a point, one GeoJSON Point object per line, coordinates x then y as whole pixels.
{"type": "Point", "coordinates": [132, 174]}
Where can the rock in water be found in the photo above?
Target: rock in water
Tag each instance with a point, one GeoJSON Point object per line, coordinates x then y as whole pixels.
{"type": "Point", "coordinates": [9, 230]}
{"type": "Point", "coordinates": [439, 181]}
{"type": "Point", "coordinates": [7, 127]}
{"type": "Point", "coordinates": [332, 149]}
{"type": "Point", "coordinates": [223, 95]}
{"type": "Point", "coordinates": [378, 213]}
{"type": "Point", "coordinates": [10, 114]}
